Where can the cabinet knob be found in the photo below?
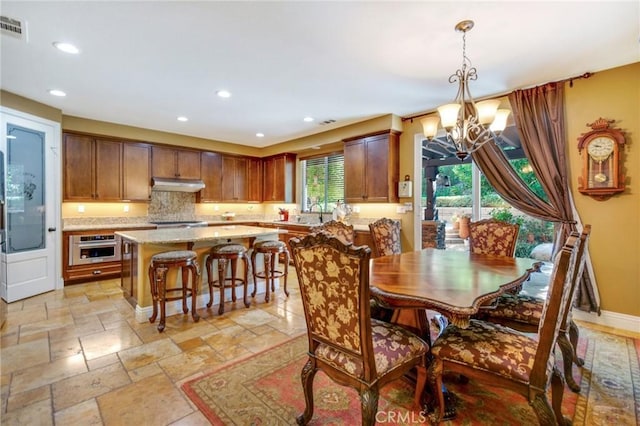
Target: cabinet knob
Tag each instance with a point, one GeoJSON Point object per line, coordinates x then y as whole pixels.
{"type": "Point", "coordinates": [97, 272]}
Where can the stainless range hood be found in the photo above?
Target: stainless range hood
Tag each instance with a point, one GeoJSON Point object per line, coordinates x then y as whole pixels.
{"type": "Point", "coordinates": [176, 185]}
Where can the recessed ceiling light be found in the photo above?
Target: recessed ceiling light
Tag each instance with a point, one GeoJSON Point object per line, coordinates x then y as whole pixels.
{"type": "Point", "coordinates": [56, 92]}
{"type": "Point", "coordinates": [182, 118]}
{"type": "Point", "coordinates": [260, 135]}
{"type": "Point", "coordinates": [223, 93]}
{"type": "Point", "coordinates": [308, 119]}
{"type": "Point", "coordinates": [66, 47]}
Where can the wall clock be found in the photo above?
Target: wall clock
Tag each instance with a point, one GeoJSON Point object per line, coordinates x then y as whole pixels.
{"type": "Point", "coordinates": [600, 148]}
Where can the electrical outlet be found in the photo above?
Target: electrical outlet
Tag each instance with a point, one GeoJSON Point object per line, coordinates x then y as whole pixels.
{"type": "Point", "coordinates": [408, 207]}
{"type": "Point", "coordinates": [356, 209]}
{"type": "Point", "coordinates": [216, 208]}
{"type": "Point", "coordinates": [400, 210]}
{"type": "Point", "coordinates": [126, 208]}
{"type": "Point", "coordinates": [80, 208]}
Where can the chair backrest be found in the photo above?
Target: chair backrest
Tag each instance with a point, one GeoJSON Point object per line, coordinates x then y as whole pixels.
{"type": "Point", "coordinates": [551, 319]}
{"type": "Point", "coordinates": [491, 236]}
{"type": "Point", "coordinates": [334, 285]}
{"type": "Point", "coordinates": [385, 234]}
{"type": "Point", "coordinates": [344, 232]}
{"type": "Point", "coordinates": [577, 275]}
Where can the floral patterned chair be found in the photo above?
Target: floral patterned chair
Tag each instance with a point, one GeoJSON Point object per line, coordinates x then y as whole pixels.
{"type": "Point", "coordinates": [522, 312]}
{"type": "Point", "coordinates": [490, 236]}
{"type": "Point", "coordinates": [385, 234]}
{"type": "Point", "coordinates": [344, 232]}
{"type": "Point", "coordinates": [344, 342]}
{"type": "Point", "coordinates": [500, 356]}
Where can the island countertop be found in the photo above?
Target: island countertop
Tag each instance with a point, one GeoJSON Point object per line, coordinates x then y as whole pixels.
{"type": "Point", "coordinates": [193, 235]}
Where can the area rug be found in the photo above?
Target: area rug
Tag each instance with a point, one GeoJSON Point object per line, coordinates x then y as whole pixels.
{"type": "Point", "coordinates": [265, 389]}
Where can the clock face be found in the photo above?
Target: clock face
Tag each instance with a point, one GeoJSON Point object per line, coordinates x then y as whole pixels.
{"type": "Point", "coordinates": [600, 148]}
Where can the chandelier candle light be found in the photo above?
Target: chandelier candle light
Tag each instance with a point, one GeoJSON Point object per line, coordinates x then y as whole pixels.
{"type": "Point", "coordinates": [466, 132]}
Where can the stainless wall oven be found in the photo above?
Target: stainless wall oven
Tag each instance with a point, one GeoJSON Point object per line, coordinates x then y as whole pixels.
{"type": "Point", "coordinates": [97, 248]}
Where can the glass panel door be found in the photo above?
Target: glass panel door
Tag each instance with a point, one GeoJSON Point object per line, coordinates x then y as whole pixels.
{"type": "Point", "coordinates": [30, 254]}
{"type": "Point", "coordinates": [25, 190]}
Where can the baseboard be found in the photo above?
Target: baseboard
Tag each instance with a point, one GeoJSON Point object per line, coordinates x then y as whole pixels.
{"type": "Point", "coordinates": [610, 319]}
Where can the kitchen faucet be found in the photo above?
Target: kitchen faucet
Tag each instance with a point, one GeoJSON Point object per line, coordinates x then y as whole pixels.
{"type": "Point", "coordinates": [312, 205]}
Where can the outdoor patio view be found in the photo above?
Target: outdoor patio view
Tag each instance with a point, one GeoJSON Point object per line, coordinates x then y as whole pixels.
{"type": "Point", "coordinates": [453, 201]}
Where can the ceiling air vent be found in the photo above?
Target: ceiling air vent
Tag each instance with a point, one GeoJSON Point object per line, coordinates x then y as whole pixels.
{"type": "Point", "coordinates": [325, 122]}
{"type": "Point", "coordinates": [12, 27]}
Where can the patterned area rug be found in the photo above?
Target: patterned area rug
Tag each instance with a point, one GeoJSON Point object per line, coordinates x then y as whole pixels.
{"type": "Point", "coordinates": [265, 389]}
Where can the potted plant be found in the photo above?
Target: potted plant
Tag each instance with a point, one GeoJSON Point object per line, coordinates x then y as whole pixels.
{"type": "Point", "coordinates": [463, 222]}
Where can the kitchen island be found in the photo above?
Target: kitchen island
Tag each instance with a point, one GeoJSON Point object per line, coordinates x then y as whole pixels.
{"type": "Point", "coordinates": [138, 246]}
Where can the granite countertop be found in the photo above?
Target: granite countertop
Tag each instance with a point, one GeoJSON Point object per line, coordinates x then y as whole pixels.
{"type": "Point", "coordinates": [124, 226]}
{"type": "Point", "coordinates": [186, 235]}
{"type": "Point", "coordinates": [309, 225]}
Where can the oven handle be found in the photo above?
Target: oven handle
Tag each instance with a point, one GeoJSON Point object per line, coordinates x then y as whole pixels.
{"type": "Point", "coordinates": [97, 243]}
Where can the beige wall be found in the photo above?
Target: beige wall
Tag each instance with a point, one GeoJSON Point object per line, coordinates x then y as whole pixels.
{"type": "Point", "coordinates": [615, 238]}
{"type": "Point", "coordinates": [611, 94]}
{"type": "Point", "coordinates": [13, 101]}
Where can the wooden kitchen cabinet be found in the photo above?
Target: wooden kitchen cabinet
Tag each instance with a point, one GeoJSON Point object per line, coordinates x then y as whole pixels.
{"type": "Point", "coordinates": [254, 180]}
{"type": "Point", "coordinates": [136, 168]}
{"type": "Point", "coordinates": [92, 169]}
{"type": "Point", "coordinates": [279, 178]}
{"type": "Point", "coordinates": [371, 168]}
{"type": "Point", "coordinates": [234, 179]}
{"type": "Point", "coordinates": [211, 163]}
{"type": "Point", "coordinates": [175, 163]}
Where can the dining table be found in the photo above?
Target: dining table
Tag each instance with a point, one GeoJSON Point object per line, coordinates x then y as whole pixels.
{"type": "Point", "coordinates": [453, 283]}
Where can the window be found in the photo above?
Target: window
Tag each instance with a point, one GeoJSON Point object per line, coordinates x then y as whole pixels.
{"type": "Point", "coordinates": [323, 182]}
{"type": "Point", "coordinates": [453, 188]}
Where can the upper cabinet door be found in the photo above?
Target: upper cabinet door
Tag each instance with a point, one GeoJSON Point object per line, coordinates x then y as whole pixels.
{"type": "Point", "coordinates": [212, 176]}
{"type": "Point", "coordinates": [175, 163]}
{"type": "Point", "coordinates": [234, 179]}
{"type": "Point", "coordinates": [108, 170]}
{"type": "Point", "coordinates": [371, 168]}
{"type": "Point", "coordinates": [163, 162]}
{"type": "Point", "coordinates": [78, 167]}
{"type": "Point", "coordinates": [136, 165]}
{"type": "Point", "coordinates": [279, 178]}
{"type": "Point", "coordinates": [92, 169]}
{"type": "Point", "coordinates": [188, 164]}
{"type": "Point", "coordinates": [254, 180]}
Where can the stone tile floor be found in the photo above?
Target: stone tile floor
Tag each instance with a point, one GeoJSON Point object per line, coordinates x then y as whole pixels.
{"type": "Point", "coordinates": [77, 355]}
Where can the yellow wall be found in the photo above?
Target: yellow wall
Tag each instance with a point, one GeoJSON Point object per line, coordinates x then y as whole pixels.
{"type": "Point", "coordinates": [615, 237]}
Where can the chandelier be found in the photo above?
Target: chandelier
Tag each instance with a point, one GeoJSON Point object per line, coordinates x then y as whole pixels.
{"type": "Point", "coordinates": [467, 124]}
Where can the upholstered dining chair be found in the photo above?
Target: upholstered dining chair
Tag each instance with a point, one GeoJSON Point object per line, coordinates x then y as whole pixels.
{"type": "Point", "coordinates": [385, 234]}
{"type": "Point", "coordinates": [523, 312]}
{"type": "Point", "coordinates": [341, 230]}
{"type": "Point", "coordinates": [344, 342]}
{"type": "Point", "coordinates": [491, 236]}
{"type": "Point", "coordinates": [501, 356]}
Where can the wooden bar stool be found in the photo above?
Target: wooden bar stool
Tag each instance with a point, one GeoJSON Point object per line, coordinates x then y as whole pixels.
{"type": "Point", "coordinates": [158, 268]}
{"type": "Point", "coordinates": [270, 250]}
{"type": "Point", "coordinates": [225, 254]}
